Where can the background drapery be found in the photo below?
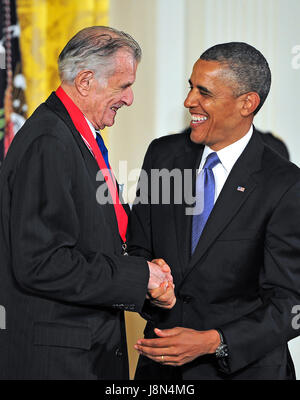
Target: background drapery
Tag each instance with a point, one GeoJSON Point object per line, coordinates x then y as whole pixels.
{"type": "Point", "coordinates": [46, 27]}
{"type": "Point", "coordinates": [13, 108]}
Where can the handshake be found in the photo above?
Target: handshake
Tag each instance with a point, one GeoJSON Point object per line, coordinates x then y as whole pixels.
{"type": "Point", "coordinates": [160, 286]}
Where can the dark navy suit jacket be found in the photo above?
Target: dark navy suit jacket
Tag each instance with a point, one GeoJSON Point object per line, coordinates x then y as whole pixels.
{"type": "Point", "coordinates": [64, 282]}
{"type": "Point", "coordinates": [244, 276]}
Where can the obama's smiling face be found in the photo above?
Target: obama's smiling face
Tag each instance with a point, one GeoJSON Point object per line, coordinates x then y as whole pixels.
{"type": "Point", "coordinates": [217, 115]}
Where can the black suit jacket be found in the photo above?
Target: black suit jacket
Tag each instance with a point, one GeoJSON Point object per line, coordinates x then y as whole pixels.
{"type": "Point", "coordinates": [244, 276]}
{"type": "Point", "coordinates": [64, 282]}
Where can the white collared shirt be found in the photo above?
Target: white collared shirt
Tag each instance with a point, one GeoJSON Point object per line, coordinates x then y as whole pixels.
{"type": "Point", "coordinates": [91, 127]}
{"type": "Point", "coordinates": [228, 157]}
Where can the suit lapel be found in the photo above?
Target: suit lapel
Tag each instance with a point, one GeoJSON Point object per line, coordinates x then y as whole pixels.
{"type": "Point", "coordinates": [54, 103]}
{"type": "Point", "coordinates": [231, 199]}
{"type": "Point", "coordinates": [187, 162]}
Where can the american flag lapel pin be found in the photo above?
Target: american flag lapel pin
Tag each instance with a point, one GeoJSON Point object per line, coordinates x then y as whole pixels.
{"type": "Point", "coordinates": [240, 188]}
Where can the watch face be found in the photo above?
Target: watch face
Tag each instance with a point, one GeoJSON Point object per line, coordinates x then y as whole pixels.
{"type": "Point", "coordinates": [222, 351]}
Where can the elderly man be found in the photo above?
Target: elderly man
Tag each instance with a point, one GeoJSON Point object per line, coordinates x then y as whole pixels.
{"type": "Point", "coordinates": [65, 277]}
{"type": "Point", "coordinates": [235, 259]}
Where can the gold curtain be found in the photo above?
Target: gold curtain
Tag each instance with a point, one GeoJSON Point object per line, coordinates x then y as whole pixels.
{"type": "Point", "coordinates": [46, 26]}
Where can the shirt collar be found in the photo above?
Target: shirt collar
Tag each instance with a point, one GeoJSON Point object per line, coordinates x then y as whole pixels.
{"type": "Point", "coordinates": [229, 154]}
{"type": "Point", "coordinates": [91, 127]}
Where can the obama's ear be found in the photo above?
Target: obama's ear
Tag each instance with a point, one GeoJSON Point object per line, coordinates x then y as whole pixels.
{"type": "Point", "coordinates": [250, 102]}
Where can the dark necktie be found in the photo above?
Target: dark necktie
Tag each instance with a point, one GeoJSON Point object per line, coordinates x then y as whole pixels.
{"type": "Point", "coordinates": [205, 196]}
{"type": "Point", "coordinates": [102, 148]}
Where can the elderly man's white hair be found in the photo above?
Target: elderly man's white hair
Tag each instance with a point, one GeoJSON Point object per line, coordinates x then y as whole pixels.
{"type": "Point", "coordinates": [94, 48]}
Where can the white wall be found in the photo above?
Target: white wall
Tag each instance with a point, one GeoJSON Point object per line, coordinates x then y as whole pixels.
{"type": "Point", "coordinates": [159, 91]}
{"type": "Point", "coordinates": [173, 34]}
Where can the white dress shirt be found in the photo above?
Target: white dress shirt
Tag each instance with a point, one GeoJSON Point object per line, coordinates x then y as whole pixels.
{"type": "Point", "coordinates": [91, 127]}
{"type": "Point", "coordinates": [228, 157]}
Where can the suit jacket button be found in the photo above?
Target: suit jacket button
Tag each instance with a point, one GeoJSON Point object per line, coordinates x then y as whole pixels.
{"type": "Point", "coordinates": [186, 299]}
{"type": "Point", "coordinates": [118, 352]}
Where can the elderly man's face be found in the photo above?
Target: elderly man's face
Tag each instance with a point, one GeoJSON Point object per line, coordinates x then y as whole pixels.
{"type": "Point", "coordinates": [216, 119]}
{"type": "Point", "coordinates": [105, 100]}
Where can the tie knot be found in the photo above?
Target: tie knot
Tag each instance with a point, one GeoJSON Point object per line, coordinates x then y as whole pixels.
{"type": "Point", "coordinates": [211, 161]}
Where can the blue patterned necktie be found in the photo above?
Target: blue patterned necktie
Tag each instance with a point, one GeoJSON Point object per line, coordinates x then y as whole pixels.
{"type": "Point", "coordinates": [205, 196]}
{"type": "Point", "coordinates": [102, 148]}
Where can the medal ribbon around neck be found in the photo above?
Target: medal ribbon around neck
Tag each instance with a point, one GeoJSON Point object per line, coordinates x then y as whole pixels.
{"type": "Point", "coordinates": [82, 126]}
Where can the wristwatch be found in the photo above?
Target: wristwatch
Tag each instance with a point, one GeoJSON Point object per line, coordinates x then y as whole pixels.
{"type": "Point", "coordinates": [222, 349]}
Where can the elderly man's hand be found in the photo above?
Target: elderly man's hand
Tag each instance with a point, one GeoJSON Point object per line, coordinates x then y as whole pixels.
{"type": "Point", "coordinates": [160, 273]}
{"type": "Point", "coordinates": [164, 295]}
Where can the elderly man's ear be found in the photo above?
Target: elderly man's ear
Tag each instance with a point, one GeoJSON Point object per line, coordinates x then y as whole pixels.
{"type": "Point", "coordinates": [83, 82]}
